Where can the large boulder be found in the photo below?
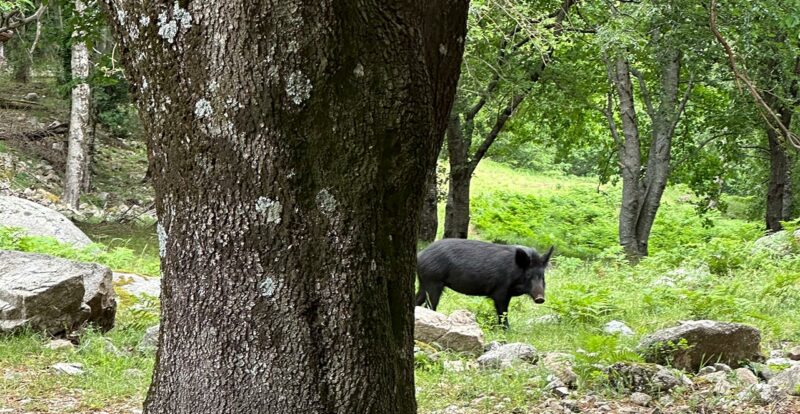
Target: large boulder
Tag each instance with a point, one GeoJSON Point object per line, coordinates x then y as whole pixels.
{"type": "Point", "coordinates": [694, 343]}
{"type": "Point", "coordinates": [780, 243]}
{"type": "Point", "coordinates": [459, 332]}
{"type": "Point", "coordinates": [38, 220]}
{"type": "Point", "coordinates": [49, 294]}
{"type": "Point", "coordinates": [788, 380]}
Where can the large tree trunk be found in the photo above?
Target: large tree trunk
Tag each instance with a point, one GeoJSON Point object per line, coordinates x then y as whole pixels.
{"type": "Point", "coordinates": [289, 157]}
{"type": "Point", "coordinates": [79, 121]}
{"type": "Point", "coordinates": [22, 69]}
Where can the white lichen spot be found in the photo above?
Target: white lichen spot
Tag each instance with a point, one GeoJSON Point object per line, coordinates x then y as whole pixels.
{"type": "Point", "coordinates": [442, 49]}
{"type": "Point", "coordinates": [359, 70]}
{"type": "Point", "coordinates": [273, 208]}
{"type": "Point", "coordinates": [298, 87]}
{"type": "Point", "coordinates": [121, 16]}
{"type": "Point", "coordinates": [162, 240]}
{"type": "Point", "coordinates": [267, 287]}
{"type": "Point", "coordinates": [182, 16]}
{"type": "Point", "coordinates": [144, 84]}
{"type": "Point", "coordinates": [144, 20]}
{"type": "Point", "coordinates": [203, 108]}
{"type": "Point", "coordinates": [213, 86]}
{"type": "Point", "coordinates": [325, 201]}
{"type": "Point", "coordinates": [167, 30]}
{"type": "Point", "coordinates": [291, 174]}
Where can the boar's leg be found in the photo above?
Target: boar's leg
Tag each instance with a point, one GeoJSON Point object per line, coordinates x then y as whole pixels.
{"type": "Point", "coordinates": [429, 295]}
{"type": "Point", "coordinates": [501, 306]}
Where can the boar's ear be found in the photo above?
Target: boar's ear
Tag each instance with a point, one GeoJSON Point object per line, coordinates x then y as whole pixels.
{"type": "Point", "coordinates": [546, 257]}
{"type": "Point", "coordinates": [522, 259]}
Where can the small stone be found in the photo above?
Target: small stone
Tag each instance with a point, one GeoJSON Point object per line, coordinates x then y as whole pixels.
{"type": "Point", "coordinates": [454, 366]}
{"type": "Point", "coordinates": [641, 399]}
{"type": "Point", "coordinates": [604, 408]}
{"type": "Point", "coordinates": [793, 354]}
{"type": "Point", "coordinates": [788, 381]}
{"type": "Point", "coordinates": [508, 355]}
{"type": "Point", "coordinates": [762, 394]}
{"type": "Point", "coordinates": [57, 344]}
{"type": "Point", "coordinates": [666, 401]}
{"type": "Point", "coordinates": [551, 318]}
{"type": "Point", "coordinates": [149, 341]}
{"type": "Point", "coordinates": [745, 377]}
{"type": "Point", "coordinates": [32, 97]}
{"type": "Point", "coordinates": [708, 369]}
{"type": "Point", "coordinates": [133, 373]}
{"type": "Point", "coordinates": [722, 367]}
{"type": "Point", "coordinates": [560, 365]}
{"type": "Point", "coordinates": [781, 362]}
{"type": "Point", "coordinates": [558, 391]}
{"type": "Point", "coordinates": [68, 368]}
{"type": "Point", "coordinates": [617, 327]}
{"type": "Point", "coordinates": [571, 405]}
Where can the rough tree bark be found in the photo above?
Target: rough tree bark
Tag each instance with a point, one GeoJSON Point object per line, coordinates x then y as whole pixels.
{"type": "Point", "coordinates": [78, 122]}
{"type": "Point", "coordinates": [642, 188]}
{"type": "Point", "coordinates": [461, 130]}
{"type": "Point", "coordinates": [429, 217]}
{"type": "Point", "coordinates": [289, 144]}
{"type": "Point", "coordinates": [779, 190]}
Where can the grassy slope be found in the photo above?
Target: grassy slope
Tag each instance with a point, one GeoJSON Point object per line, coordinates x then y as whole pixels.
{"type": "Point", "coordinates": [587, 294]}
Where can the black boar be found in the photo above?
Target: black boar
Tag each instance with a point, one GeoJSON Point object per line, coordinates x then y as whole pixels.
{"type": "Point", "coordinates": [478, 268]}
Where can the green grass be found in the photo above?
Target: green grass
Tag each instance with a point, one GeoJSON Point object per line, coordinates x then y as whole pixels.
{"type": "Point", "coordinates": [119, 258]}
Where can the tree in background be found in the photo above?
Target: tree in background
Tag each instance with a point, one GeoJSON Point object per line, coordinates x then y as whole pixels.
{"type": "Point", "coordinates": [510, 46]}
{"type": "Point", "coordinates": [289, 145]}
{"type": "Point", "coordinates": [79, 134]}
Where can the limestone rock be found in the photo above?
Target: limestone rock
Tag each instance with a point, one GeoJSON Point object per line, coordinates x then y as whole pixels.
{"type": "Point", "coordinates": [507, 355]}
{"type": "Point", "coordinates": [459, 332]}
{"type": "Point", "coordinates": [37, 220]}
{"type": "Point", "coordinates": [788, 381]}
{"type": "Point", "coordinates": [689, 345]}
{"type": "Point", "coordinates": [53, 295]}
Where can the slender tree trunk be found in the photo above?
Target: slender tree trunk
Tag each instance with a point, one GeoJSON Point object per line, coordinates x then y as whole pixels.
{"type": "Point", "coordinates": [456, 219]}
{"type": "Point", "coordinates": [289, 158]}
{"type": "Point", "coordinates": [86, 184]}
{"type": "Point", "coordinates": [79, 121]}
{"type": "Point", "coordinates": [22, 70]}
{"type": "Point", "coordinates": [658, 160]}
{"type": "Point", "coordinates": [429, 217]}
{"type": "Point", "coordinates": [778, 182]}
{"type": "Point", "coordinates": [629, 158]}
{"type": "Point", "coordinates": [3, 59]}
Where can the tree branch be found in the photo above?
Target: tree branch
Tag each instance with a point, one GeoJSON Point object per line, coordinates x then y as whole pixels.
{"type": "Point", "coordinates": [772, 119]}
{"type": "Point", "coordinates": [12, 22]}
{"type": "Point", "coordinates": [645, 93]}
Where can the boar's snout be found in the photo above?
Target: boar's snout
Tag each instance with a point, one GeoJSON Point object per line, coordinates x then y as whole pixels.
{"type": "Point", "coordinates": [539, 299]}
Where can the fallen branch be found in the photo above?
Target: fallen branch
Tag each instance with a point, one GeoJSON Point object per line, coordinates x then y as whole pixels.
{"type": "Point", "coordinates": [772, 119]}
{"type": "Point", "coordinates": [55, 128]}
{"type": "Point", "coordinates": [6, 103]}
